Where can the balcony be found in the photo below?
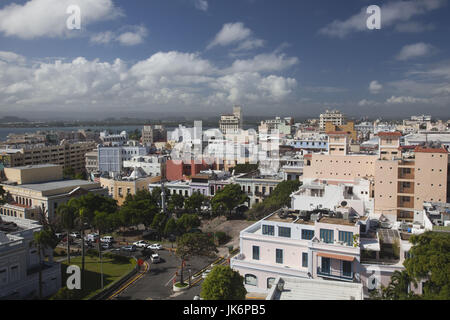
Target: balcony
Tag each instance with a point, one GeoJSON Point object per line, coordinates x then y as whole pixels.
{"type": "Point", "coordinates": [335, 274]}
{"type": "Point", "coordinates": [406, 174]}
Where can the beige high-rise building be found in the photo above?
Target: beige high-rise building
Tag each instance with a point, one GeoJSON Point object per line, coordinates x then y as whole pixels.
{"type": "Point", "coordinates": [401, 184]}
{"type": "Point", "coordinates": [231, 123]}
{"type": "Point", "coordinates": [67, 154]}
{"type": "Point", "coordinates": [333, 116]}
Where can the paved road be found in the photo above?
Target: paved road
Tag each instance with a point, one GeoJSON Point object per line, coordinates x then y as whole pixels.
{"type": "Point", "coordinates": [156, 284]}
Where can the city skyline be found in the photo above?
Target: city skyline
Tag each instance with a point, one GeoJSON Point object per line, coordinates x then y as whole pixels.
{"type": "Point", "coordinates": [201, 57]}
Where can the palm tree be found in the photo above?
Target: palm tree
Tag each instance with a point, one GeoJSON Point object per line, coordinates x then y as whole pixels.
{"type": "Point", "coordinates": [67, 217]}
{"type": "Point", "coordinates": [42, 240]}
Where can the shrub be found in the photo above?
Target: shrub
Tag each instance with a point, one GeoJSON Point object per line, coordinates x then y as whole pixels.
{"type": "Point", "coordinates": [221, 237]}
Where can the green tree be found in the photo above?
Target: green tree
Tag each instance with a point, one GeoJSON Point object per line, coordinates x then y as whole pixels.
{"type": "Point", "coordinates": [430, 261]}
{"type": "Point", "coordinates": [158, 224]}
{"type": "Point", "coordinates": [187, 222]}
{"type": "Point", "coordinates": [170, 227]}
{"type": "Point", "coordinates": [227, 199]}
{"type": "Point", "coordinates": [279, 198]}
{"type": "Point", "coordinates": [194, 244]}
{"type": "Point", "coordinates": [176, 202]}
{"type": "Point", "coordinates": [223, 283]}
{"type": "Point", "coordinates": [86, 206]}
{"type": "Point", "coordinates": [244, 168]}
{"type": "Point", "coordinates": [139, 208]}
{"type": "Point", "coordinates": [194, 203]}
{"type": "Point", "coordinates": [67, 218]}
{"type": "Point", "coordinates": [43, 240]}
{"type": "Point", "coordinates": [68, 172]}
{"type": "Point", "coordinates": [2, 195]}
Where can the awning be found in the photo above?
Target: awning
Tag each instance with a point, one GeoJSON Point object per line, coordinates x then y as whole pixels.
{"type": "Point", "coordinates": [335, 256]}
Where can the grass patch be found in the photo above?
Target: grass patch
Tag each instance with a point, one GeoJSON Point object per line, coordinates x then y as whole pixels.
{"type": "Point", "coordinates": [179, 285]}
{"type": "Point", "coordinates": [113, 270]}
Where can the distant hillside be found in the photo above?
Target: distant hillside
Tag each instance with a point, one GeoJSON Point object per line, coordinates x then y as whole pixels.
{"type": "Point", "coordinates": [12, 120]}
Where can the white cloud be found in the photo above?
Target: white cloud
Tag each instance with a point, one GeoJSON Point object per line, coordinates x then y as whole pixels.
{"type": "Point", "coordinates": [134, 37]}
{"type": "Point", "coordinates": [165, 80]}
{"type": "Point", "coordinates": [264, 62]}
{"type": "Point", "coordinates": [375, 87]}
{"type": "Point", "coordinates": [201, 5]}
{"type": "Point", "coordinates": [414, 51]}
{"type": "Point", "coordinates": [391, 13]}
{"type": "Point", "coordinates": [407, 99]}
{"type": "Point", "coordinates": [103, 37]}
{"type": "Point", "coordinates": [236, 34]}
{"type": "Point", "coordinates": [12, 57]}
{"type": "Point", "coordinates": [127, 36]}
{"type": "Point", "coordinates": [365, 102]}
{"type": "Point", "coordinates": [47, 18]}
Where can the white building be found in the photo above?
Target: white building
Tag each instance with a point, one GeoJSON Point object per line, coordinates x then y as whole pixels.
{"type": "Point", "coordinates": [19, 262]}
{"type": "Point", "coordinates": [334, 116]}
{"type": "Point", "coordinates": [150, 164]}
{"type": "Point", "coordinates": [231, 123]}
{"type": "Point", "coordinates": [110, 159]}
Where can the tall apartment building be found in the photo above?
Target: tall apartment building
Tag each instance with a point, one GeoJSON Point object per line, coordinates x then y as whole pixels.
{"type": "Point", "coordinates": [66, 154]}
{"type": "Point", "coordinates": [333, 116]}
{"type": "Point", "coordinates": [153, 133]}
{"type": "Point", "coordinates": [401, 183]}
{"type": "Point", "coordinates": [231, 123]}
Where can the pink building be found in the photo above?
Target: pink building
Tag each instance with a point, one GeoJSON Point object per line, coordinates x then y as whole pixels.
{"type": "Point", "coordinates": [286, 244]}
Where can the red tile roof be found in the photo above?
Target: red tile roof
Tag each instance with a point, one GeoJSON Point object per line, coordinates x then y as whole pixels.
{"type": "Point", "coordinates": [431, 150]}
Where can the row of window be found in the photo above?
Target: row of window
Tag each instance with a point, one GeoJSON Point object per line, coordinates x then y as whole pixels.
{"type": "Point", "coordinates": [13, 275]}
{"type": "Point", "coordinates": [279, 256]}
{"type": "Point", "coordinates": [326, 235]}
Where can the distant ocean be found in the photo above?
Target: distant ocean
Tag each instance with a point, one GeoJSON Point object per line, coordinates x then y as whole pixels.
{"type": "Point", "coordinates": [5, 131]}
{"type": "Point", "coordinates": [114, 129]}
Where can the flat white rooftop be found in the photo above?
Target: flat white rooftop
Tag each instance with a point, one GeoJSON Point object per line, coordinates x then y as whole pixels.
{"type": "Point", "coordinates": [315, 289]}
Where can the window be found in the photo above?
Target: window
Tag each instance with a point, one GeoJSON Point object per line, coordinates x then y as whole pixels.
{"type": "Point", "coordinates": [270, 282]}
{"type": "Point", "coordinates": [3, 276]}
{"type": "Point", "coordinates": [268, 230]}
{"type": "Point", "coordinates": [14, 276]}
{"type": "Point", "coordinates": [279, 256]}
{"type": "Point", "coordinates": [346, 237]}
{"type": "Point", "coordinates": [305, 260]}
{"type": "Point", "coordinates": [327, 235]}
{"type": "Point", "coordinates": [307, 234]}
{"type": "Point", "coordinates": [255, 253]}
{"type": "Point", "coordinates": [284, 232]}
{"type": "Point", "coordinates": [251, 280]}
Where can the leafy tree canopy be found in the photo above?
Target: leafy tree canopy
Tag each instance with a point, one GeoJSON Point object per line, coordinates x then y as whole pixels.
{"type": "Point", "coordinates": [223, 283]}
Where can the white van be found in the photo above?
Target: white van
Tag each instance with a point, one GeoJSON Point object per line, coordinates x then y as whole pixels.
{"type": "Point", "coordinates": [107, 239]}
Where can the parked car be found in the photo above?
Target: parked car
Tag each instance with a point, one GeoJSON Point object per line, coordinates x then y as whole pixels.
{"type": "Point", "coordinates": [91, 237]}
{"type": "Point", "coordinates": [107, 239]}
{"type": "Point", "coordinates": [155, 258]}
{"type": "Point", "coordinates": [155, 246]}
{"type": "Point", "coordinates": [205, 273]}
{"type": "Point", "coordinates": [141, 244]}
{"type": "Point", "coordinates": [60, 235]}
{"type": "Point", "coordinates": [75, 235]}
{"type": "Point", "coordinates": [130, 248]}
{"type": "Point", "coordinates": [65, 240]}
{"type": "Point", "coordinates": [106, 245]}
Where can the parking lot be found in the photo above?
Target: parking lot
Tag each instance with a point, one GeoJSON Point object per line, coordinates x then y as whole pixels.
{"type": "Point", "coordinates": [157, 283]}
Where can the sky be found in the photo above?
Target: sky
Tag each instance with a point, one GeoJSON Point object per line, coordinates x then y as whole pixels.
{"type": "Point", "coordinates": [198, 58]}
